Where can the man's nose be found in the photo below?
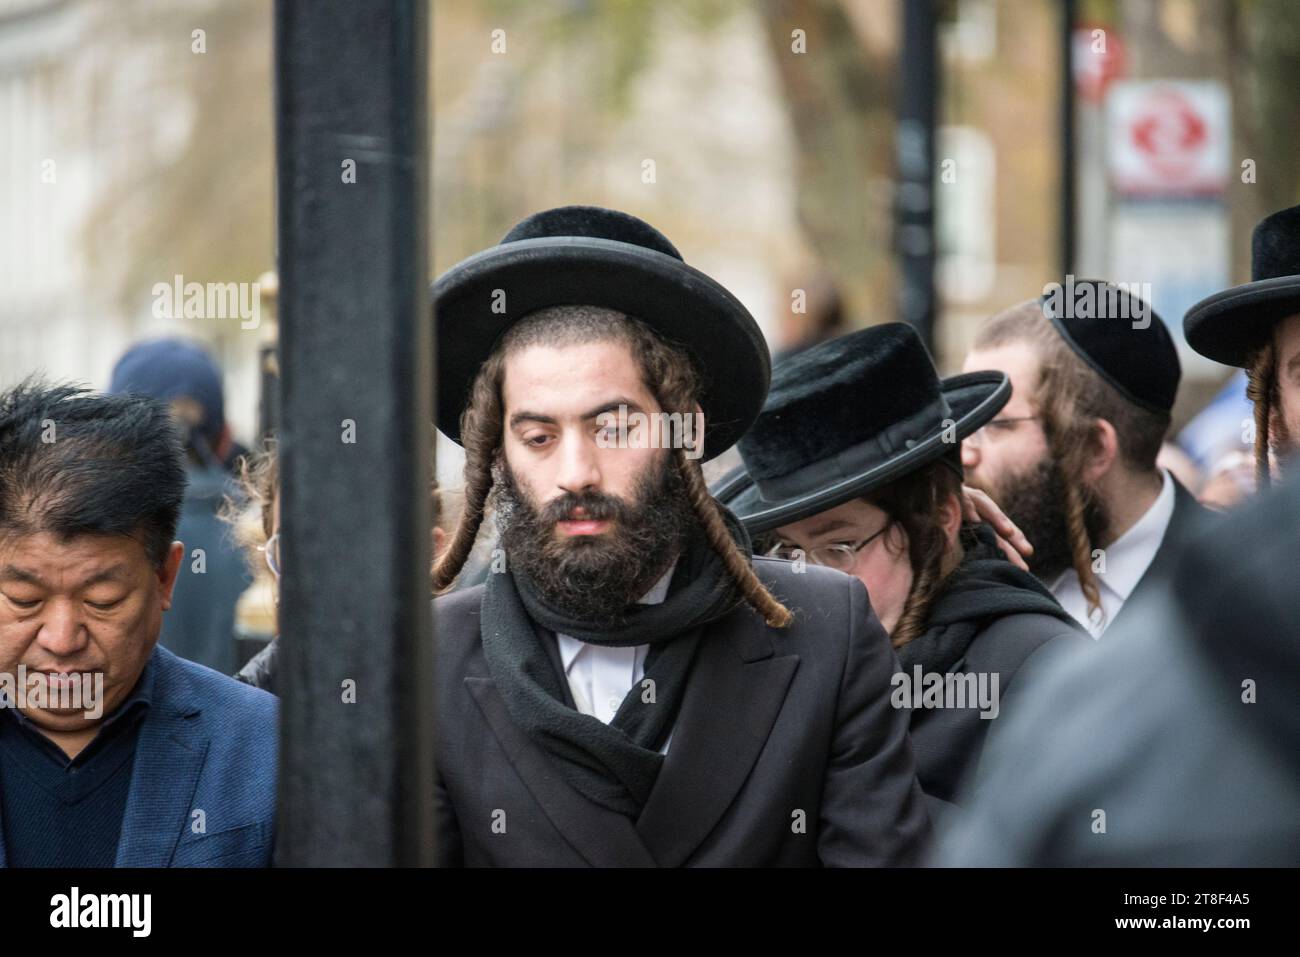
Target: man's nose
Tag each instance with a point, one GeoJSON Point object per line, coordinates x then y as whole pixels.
{"type": "Point", "coordinates": [970, 455]}
{"type": "Point", "coordinates": [579, 469]}
{"type": "Point", "coordinates": [63, 632]}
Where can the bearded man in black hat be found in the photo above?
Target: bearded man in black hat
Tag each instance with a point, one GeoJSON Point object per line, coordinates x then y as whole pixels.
{"type": "Point", "coordinates": [1256, 327]}
{"type": "Point", "coordinates": [1072, 458]}
{"type": "Point", "coordinates": [629, 686]}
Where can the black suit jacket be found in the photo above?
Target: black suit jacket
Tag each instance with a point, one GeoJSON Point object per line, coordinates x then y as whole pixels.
{"type": "Point", "coordinates": [1188, 516]}
{"type": "Point", "coordinates": [786, 750]}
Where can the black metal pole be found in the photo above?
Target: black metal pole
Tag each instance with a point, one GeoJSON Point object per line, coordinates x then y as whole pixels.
{"type": "Point", "coordinates": [356, 377]}
{"type": "Point", "coordinates": [915, 140]}
{"type": "Point", "coordinates": [1069, 15]}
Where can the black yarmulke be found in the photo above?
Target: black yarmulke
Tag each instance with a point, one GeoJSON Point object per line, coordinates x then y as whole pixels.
{"type": "Point", "coordinates": [1120, 337]}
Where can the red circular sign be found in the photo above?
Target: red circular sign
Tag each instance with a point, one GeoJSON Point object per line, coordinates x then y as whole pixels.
{"type": "Point", "coordinates": [1169, 132]}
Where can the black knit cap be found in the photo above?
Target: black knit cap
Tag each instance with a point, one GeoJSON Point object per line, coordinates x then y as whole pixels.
{"type": "Point", "coordinates": [1121, 338]}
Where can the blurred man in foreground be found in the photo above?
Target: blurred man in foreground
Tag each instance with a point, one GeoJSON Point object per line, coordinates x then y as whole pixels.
{"type": "Point", "coordinates": [1178, 743]}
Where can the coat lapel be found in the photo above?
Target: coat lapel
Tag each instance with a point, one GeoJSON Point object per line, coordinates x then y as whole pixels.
{"type": "Point", "coordinates": [168, 758]}
{"type": "Point", "coordinates": [603, 838]}
{"type": "Point", "coordinates": [1188, 515]}
{"type": "Point", "coordinates": [734, 694]}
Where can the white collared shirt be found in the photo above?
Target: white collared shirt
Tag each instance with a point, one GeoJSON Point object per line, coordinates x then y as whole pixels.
{"type": "Point", "coordinates": [1127, 559]}
{"type": "Point", "coordinates": [600, 676]}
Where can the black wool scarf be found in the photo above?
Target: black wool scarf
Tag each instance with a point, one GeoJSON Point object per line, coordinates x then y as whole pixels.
{"type": "Point", "coordinates": [613, 764]}
{"type": "Point", "coordinates": [983, 587]}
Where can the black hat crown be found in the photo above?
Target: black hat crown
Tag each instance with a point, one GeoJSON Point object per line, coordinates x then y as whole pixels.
{"type": "Point", "coordinates": [1275, 246]}
{"type": "Point", "coordinates": [841, 408]}
{"type": "Point", "coordinates": [1232, 325]}
{"type": "Point", "coordinates": [594, 222]}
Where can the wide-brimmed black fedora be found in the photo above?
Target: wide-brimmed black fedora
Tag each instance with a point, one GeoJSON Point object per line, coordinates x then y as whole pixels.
{"type": "Point", "coordinates": [588, 255]}
{"type": "Point", "coordinates": [1233, 324]}
{"type": "Point", "coordinates": [849, 416]}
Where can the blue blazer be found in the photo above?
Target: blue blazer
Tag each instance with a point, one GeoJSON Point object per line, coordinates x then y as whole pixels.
{"type": "Point", "coordinates": [207, 743]}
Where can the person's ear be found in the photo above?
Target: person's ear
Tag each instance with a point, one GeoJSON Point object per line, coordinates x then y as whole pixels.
{"type": "Point", "coordinates": [950, 513]}
{"type": "Point", "coordinates": [1103, 451]}
{"type": "Point", "coordinates": [169, 571]}
{"type": "Point", "coordinates": [895, 538]}
{"type": "Point", "coordinates": [439, 541]}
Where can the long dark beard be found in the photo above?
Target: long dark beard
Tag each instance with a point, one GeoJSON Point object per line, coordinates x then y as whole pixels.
{"type": "Point", "coordinates": [594, 578]}
{"type": "Point", "coordinates": [1035, 500]}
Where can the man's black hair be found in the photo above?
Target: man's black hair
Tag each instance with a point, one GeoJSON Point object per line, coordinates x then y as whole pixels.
{"type": "Point", "coordinates": [74, 462]}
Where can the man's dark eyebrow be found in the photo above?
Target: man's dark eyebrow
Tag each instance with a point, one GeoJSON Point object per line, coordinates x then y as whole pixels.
{"type": "Point", "coordinates": [114, 573]}
{"type": "Point", "coordinates": [611, 405]}
{"type": "Point", "coordinates": [111, 574]}
{"type": "Point", "coordinates": [525, 416]}
{"type": "Point", "coordinates": [12, 573]}
{"type": "Point", "coordinates": [1293, 363]}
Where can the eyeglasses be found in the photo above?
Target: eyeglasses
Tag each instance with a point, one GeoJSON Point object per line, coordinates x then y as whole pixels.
{"type": "Point", "coordinates": [841, 556]}
{"type": "Point", "coordinates": [998, 427]}
{"type": "Point", "coordinates": [271, 552]}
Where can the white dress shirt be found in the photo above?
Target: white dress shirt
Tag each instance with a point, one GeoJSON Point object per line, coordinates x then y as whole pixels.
{"type": "Point", "coordinates": [1127, 559]}
{"type": "Point", "coordinates": [600, 676]}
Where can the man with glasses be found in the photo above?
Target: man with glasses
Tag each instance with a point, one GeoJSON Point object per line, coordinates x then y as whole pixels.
{"type": "Point", "coordinates": [853, 464]}
{"type": "Point", "coordinates": [1072, 456]}
{"type": "Point", "coordinates": [841, 556]}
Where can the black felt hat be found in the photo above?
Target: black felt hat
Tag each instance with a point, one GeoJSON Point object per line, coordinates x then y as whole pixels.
{"type": "Point", "coordinates": [849, 416]}
{"type": "Point", "coordinates": [1120, 337]}
{"type": "Point", "coordinates": [588, 255]}
{"type": "Point", "coordinates": [1231, 325]}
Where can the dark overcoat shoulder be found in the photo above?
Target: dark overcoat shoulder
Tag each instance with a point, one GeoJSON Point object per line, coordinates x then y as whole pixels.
{"type": "Point", "coordinates": [949, 741]}
{"type": "Point", "coordinates": [786, 750]}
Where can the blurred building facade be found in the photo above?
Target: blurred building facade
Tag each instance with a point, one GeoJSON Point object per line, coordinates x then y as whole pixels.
{"type": "Point", "coordinates": [135, 150]}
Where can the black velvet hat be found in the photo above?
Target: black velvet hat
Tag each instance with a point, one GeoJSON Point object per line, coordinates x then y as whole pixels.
{"type": "Point", "coordinates": [1120, 337]}
{"type": "Point", "coordinates": [588, 255]}
{"type": "Point", "coordinates": [1230, 325]}
{"type": "Point", "coordinates": [849, 416]}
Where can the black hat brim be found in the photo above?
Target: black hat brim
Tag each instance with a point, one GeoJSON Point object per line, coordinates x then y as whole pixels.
{"type": "Point", "coordinates": [677, 300]}
{"type": "Point", "coordinates": [974, 398]}
{"type": "Point", "coordinates": [1231, 325]}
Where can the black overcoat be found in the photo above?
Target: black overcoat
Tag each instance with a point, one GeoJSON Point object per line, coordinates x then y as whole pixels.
{"type": "Point", "coordinates": [786, 750]}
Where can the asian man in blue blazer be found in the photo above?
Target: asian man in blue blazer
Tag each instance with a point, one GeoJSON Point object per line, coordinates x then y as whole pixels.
{"type": "Point", "coordinates": [113, 751]}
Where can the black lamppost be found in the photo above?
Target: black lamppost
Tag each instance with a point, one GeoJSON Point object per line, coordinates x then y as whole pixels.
{"type": "Point", "coordinates": [356, 388]}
